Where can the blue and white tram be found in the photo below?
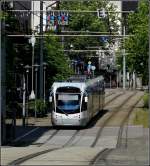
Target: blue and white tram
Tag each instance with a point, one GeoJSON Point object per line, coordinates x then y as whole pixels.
{"type": "Point", "coordinates": [75, 103]}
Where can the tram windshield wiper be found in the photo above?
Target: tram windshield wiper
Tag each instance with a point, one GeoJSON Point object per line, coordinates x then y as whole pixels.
{"type": "Point", "coordinates": [64, 112]}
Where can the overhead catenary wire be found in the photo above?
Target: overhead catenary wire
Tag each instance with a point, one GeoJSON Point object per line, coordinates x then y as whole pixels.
{"type": "Point", "coordinates": [49, 35]}
{"type": "Point", "coordinates": [65, 0]}
{"type": "Point", "coordinates": [69, 11]}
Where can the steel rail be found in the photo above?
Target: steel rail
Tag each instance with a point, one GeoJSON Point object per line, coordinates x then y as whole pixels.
{"type": "Point", "coordinates": [100, 156]}
{"type": "Point", "coordinates": [124, 121]}
{"type": "Point", "coordinates": [117, 96]}
{"type": "Point", "coordinates": [30, 156]}
{"type": "Point", "coordinates": [109, 118]}
{"type": "Point", "coordinates": [54, 133]}
{"type": "Point", "coordinates": [68, 143]}
{"type": "Point", "coordinates": [103, 154]}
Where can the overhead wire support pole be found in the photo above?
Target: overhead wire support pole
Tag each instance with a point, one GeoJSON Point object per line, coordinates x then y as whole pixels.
{"type": "Point", "coordinates": [149, 55]}
{"type": "Point", "coordinates": [41, 50]}
{"type": "Point", "coordinates": [124, 62]}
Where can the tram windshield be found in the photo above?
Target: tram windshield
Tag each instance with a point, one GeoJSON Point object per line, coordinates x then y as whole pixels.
{"type": "Point", "coordinates": [68, 103]}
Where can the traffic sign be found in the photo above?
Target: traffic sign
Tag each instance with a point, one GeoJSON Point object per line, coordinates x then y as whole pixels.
{"type": "Point", "coordinates": [93, 68]}
{"type": "Point", "coordinates": [89, 62]}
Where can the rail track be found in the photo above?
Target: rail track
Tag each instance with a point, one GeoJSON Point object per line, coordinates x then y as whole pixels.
{"type": "Point", "coordinates": [114, 98]}
{"type": "Point", "coordinates": [30, 156]}
{"type": "Point", "coordinates": [113, 113]}
{"type": "Point", "coordinates": [68, 143]}
{"type": "Point", "coordinates": [101, 156]}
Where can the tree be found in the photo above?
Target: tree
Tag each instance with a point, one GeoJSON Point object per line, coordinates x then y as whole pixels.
{"type": "Point", "coordinates": [137, 45]}
{"type": "Point", "coordinates": [58, 66]}
{"type": "Point", "coordinates": [89, 22]}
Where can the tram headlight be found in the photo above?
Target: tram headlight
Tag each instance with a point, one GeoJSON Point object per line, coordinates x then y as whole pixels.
{"type": "Point", "coordinates": [86, 99]}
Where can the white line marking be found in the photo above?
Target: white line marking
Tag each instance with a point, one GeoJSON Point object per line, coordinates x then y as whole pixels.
{"type": "Point", "coordinates": [17, 139]}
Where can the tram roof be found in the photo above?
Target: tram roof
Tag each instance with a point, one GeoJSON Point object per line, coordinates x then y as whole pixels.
{"type": "Point", "coordinates": [80, 85]}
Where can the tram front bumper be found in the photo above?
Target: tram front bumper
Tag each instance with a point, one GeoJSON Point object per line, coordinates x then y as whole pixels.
{"type": "Point", "coordinates": [68, 121]}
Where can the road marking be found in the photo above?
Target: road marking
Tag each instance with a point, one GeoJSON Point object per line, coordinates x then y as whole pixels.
{"type": "Point", "coordinates": [17, 139]}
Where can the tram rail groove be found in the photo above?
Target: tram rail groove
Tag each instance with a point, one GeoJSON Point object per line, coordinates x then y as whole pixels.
{"type": "Point", "coordinates": [30, 156]}
{"type": "Point", "coordinates": [68, 143]}
{"type": "Point", "coordinates": [101, 156]}
{"type": "Point", "coordinates": [54, 133]}
{"type": "Point", "coordinates": [119, 140]}
{"type": "Point", "coordinates": [110, 117]}
{"type": "Point", "coordinates": [115, 97]}
{"type": "Point", "coordinates": [109, 94]}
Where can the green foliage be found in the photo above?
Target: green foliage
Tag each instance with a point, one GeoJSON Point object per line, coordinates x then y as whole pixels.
{"type": "Point", "coordinates": [138, 44]}
{"type": "Point", "coordinates": [141, 118]}
{"type": "Point", "coordinates": [40, 106]}
{"type": "Point", "coordinates": [146, 100]}
{"type": "Point", "coordinates": [89, 22]}
{"type": "Point", "coordinates": [58, 66]}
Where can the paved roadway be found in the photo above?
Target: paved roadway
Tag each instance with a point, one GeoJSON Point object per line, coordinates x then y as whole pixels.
{"type": "Point", "coordinates": [74, 146]}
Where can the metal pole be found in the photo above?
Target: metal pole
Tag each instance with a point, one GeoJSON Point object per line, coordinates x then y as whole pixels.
{"type": "Point", "coordinates": [124, 70]}
{"type": "Point", "coordinates": [3, 40]}
{"type": "Point", "coordinates": [110, 80]}
{"type": "Point", "coordinates": [35, 108]}
{"type": "Point", "coordinates": [41, 50]}
{"type": "Point", "coordinates": [62, 39]}
{"type": "Point", "coordinates": [117, 78]}
{"type": "Point", "coordinates": [32, 65]}
{"type": "Point", "coordinates": [149, 55]}
{"type": "Point", "coordinates": [27, 106]}
{"type": "Point", "coordinates": [124, 64]}
{"type": "Point", "coordinates": [44, 85]}
{"type": "Point", "coordinates": [24, 99]}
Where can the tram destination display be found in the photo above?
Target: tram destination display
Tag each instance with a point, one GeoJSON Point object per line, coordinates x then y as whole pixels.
{"type": "Point", "coordinates": [67, 97]}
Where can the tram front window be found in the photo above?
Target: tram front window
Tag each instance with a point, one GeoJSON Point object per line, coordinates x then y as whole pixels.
{"type": "Point", "coordinates": [67, 103]}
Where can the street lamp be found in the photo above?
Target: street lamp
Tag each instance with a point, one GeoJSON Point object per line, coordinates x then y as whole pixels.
{"type": "Point", "coordinates": [118, 66]}
{"type": "Point", "coordinates": [36, 70]}
{"type": "Point", "coordinates": [32, 41]}
{"type": "Point", "coordinates": [74, 61]}
{"type": "Point", "coordinates": [124, 63]}
{"type": "Point", "coordinates": [44, 69]}
{"type": "Point", "coordinates": [27, 67]}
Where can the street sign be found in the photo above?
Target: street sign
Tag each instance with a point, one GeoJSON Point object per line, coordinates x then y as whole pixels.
{"type": "Point", "coordinates": [93, 68]}
{"type": "Point", "coordinates": [89, 62]}
{"type": "Point", "coordinates": [101, 13]}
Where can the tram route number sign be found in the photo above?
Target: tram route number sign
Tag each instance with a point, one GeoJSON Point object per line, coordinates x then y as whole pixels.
{"type": "Point", "coordinates": [67, 97]}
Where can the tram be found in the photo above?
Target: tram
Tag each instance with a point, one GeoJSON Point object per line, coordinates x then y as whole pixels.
{"type": "Point", "coordinates": [75, 103]}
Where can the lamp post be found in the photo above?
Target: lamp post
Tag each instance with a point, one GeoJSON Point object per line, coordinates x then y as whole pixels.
{"type": "Point", "coordinates": [36, 70]}
{"type": "Point", "coordinates": [21, 67]}
{"type": "Point", "coordinates": [27, 67]}
{"type": "Point", "coordinates": [124, 63]}
{"type": "Point", "coordinates": [32, 41]}
{"type": "Point", "coordinates": [44, 69]}
{"type": "Point", "coordinates": [24, 101]}
{"type": "Point", "coordinates": [73, 61]}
